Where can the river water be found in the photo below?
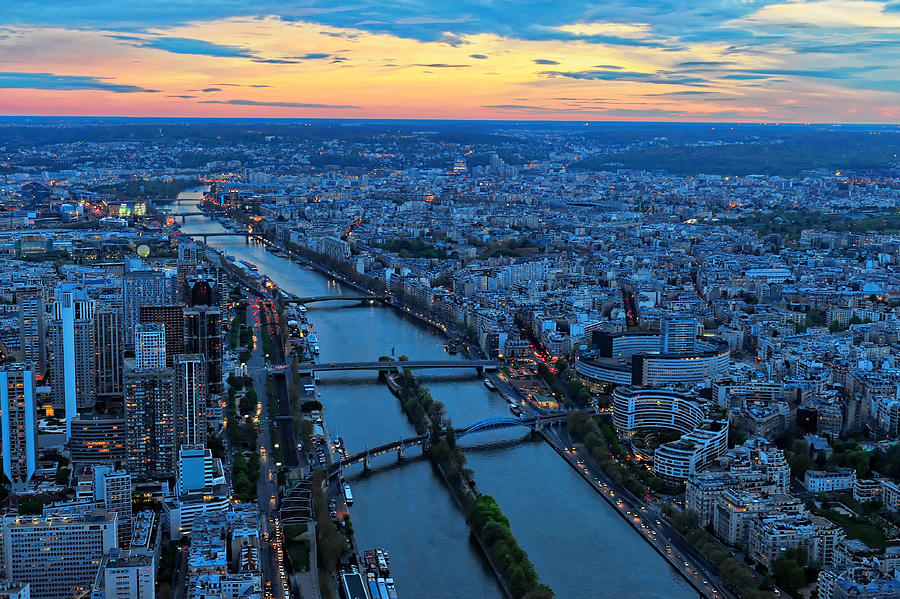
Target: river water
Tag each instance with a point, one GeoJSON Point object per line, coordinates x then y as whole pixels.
{"type": "Point", "coordinates": [579, 545]}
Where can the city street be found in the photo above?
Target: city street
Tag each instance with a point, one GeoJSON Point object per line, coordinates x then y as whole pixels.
{"type": "Point", "coordinates": [267, 486]}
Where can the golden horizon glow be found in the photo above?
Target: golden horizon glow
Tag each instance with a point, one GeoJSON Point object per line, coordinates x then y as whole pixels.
{"type": "Point", "coordinates": [596, 70]}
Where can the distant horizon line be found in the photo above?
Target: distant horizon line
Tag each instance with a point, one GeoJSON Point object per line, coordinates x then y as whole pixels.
{"type": "Point", "coordinates": [584, 122]}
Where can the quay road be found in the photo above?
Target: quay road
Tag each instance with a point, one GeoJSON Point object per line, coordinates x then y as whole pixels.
{"type": "Point", "coordinates": [271, 559]}
{"type": "Point", "coordinates": [279, 374]}
{"type": "Point", "coordinates": [646, 520]}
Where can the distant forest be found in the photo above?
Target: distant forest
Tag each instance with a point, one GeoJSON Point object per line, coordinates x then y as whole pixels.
{"type": "Point", "coordinates": [799, 151]}
{"type": "Point", "coordinates": [785, 150]}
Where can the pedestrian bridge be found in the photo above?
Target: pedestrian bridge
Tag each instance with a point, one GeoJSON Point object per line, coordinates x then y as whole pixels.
{"type": "Point", "coordinates": [534, 423]}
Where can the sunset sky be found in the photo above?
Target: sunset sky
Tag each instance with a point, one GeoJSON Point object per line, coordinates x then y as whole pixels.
{"type": "Point", "coordinates": [668, 60]}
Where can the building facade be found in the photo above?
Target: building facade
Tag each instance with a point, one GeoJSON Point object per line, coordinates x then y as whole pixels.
{"type": "Point", "coordinates": [72, 351]}
{"type": "Point", "coordinates": [142, 288]}
{"type": "Point", "coordinates": [18, 423]}
{"type": "Point", "coordinates": [190, 399]}
{"type": "Point", "coordinates": [203, 335]}
{"type": "Point", "coordinates": [110, 336]}
{"type": "Point", "coordinates": [31, 327]}
{"type": "Point", "coordinates": [150, 421]}
{"type": "Point", "coordinates": [57, 555]}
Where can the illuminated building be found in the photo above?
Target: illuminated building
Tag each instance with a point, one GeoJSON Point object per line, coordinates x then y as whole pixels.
{"type": "Point", "coordinates": [18, 425]}
{"type": "Point", "coordinates": [173, 318]}
{"type": "Point", "coordinates": [188, 261]}
{"type": "Point", "coordinates": [98, 438]}
{"type": "Point", "coordinates": [57, 555]}
{"type": "Point", "coordinates": [142, 288]}
{"type": "Point", "coordinates": [190, 399]}
{"type": "Point", "coordinates": [31, 327]}
{"type": "Point", "coordinates": [110, 351]}
{"type": "Point", "coordinates": [703, 439]}
{"type": "Point", "coordinates": [638, 359]}
{"type": "Point", "coordinates": [125, 575]}
{"type": "Point", "coordinates": [72, 349]}
{"type": "Point", "coordinates": [771, 535]}
{"type": "Point", "coordinates": [150, 421]}
{"type": "Point", "coordinates": [203, 335]}
{"type": "Point", "coordinates": [113, 488]}
{"type": "Point", "coordinates": [150, 345]}
{"type": "Point", "coordinates": [678, 334]}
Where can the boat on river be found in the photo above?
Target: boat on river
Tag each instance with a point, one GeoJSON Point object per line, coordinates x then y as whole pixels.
{"type": "Point", "coordinates": [391, 589]}
{"type": "Point", "coordinates": [383, 565]}
{"type": "Point", "coordinates": [348, 495]}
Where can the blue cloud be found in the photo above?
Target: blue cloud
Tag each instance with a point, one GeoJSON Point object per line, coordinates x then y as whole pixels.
{"type": "Point", "coordinates": [51, 81]}
{"type": "Point", "coordinates": [541, 33]}
{"type": "Point", "coordinates": [520, 107]}
{"type": "Point", "coordinates": [705, 63]}
{"type": "Point", "coordinates": [601, 111]}
{"type": "Point", "coordinates": [301, 58]}
{"type": "Point", "coordinates": [185, 45]}
{"type": "Point", "coordinates": [671, 25]}
{"type": "Point", "coordinates": [662, 77]}
{"type": "Point", "coordinates": [685, 93]}
{"type": "Point", "coordinates": [276, 61]}
{"type": "Point", "coordinates": [442, 65]}
{"type": "Point", "coordinates": [742, 76]}
{"type": "Point", "coordinates": [427, 20]}
{"type": "Point", "coordinates": [872, 45]}
{"type": "Point", "coordinates": [544, 61]}
{"type": "Point", "coordinates": [236, 85]}
{"type": "Point", "coordinates": [835, 73]}
{"type": "Point", "coordinates": [240, 102]}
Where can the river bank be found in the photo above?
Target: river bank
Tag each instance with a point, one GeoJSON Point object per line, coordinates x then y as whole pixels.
{"type": "Point", "coordinates": [578, 543]}
{"type": "Point", "coordinates": [514, 571]}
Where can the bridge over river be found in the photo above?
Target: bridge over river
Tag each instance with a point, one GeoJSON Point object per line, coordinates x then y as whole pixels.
{"type": "Point", "coordinates": [295, 506]}
{"type": "Point", "coordinates": [488, 424]}
{"type": "Point", "coordinates": [479, 365]}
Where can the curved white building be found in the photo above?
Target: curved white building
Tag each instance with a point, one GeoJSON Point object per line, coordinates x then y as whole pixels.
{"type": "Point", "coordinates": [636, 408]}
{"type": "Point", "coordinates": [702, 441]}
{"type": "Point", "coordinates": [646, 359]}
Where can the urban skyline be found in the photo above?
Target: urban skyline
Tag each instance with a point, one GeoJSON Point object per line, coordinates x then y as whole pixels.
{"type": "Point", "coordinates": [508, 300]}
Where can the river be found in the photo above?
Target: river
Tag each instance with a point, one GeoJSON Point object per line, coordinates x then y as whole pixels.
{"type": "Point", "coordinates": [580, 546]}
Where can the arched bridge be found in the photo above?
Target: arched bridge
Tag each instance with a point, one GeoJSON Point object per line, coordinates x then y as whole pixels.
{"type": "Point", "coordinates": [533, 423]}
{"type": "Point", "coordinates": [479, 365]}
